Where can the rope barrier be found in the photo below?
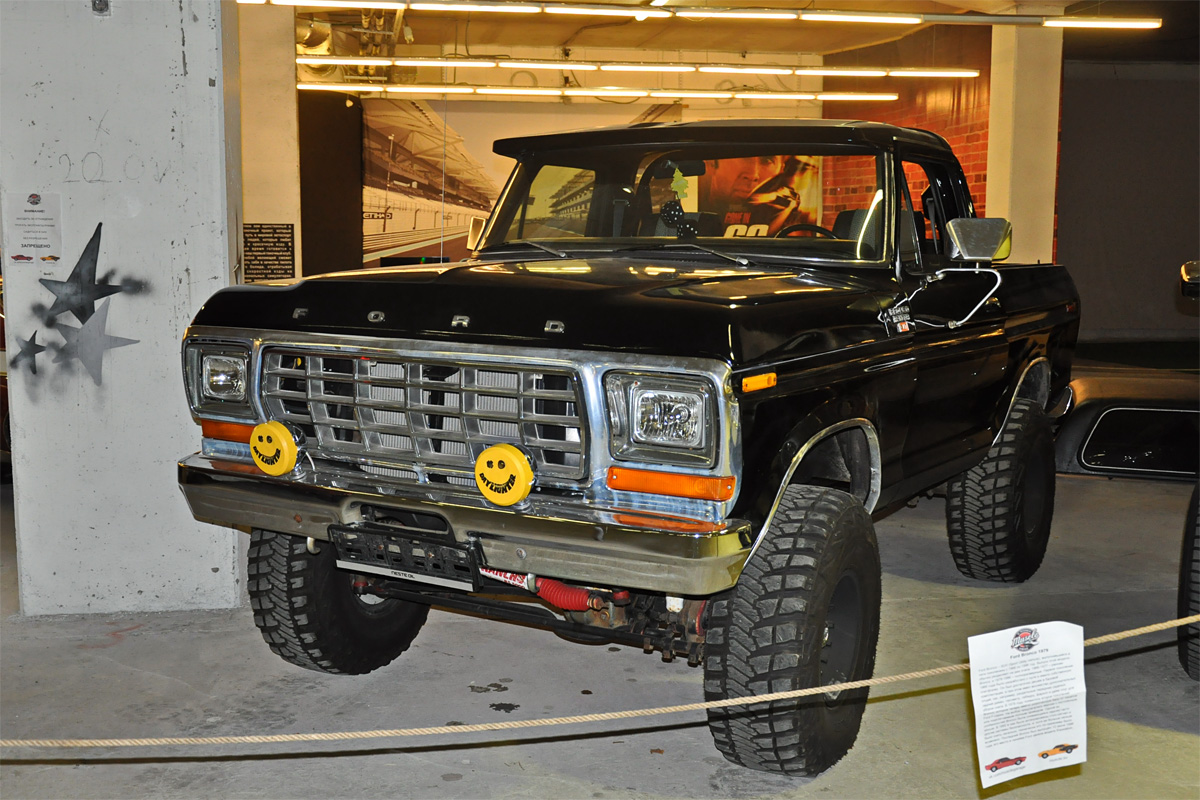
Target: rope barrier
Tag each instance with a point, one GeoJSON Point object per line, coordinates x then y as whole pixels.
{"type": "Point", "coordinates": [288, 738]}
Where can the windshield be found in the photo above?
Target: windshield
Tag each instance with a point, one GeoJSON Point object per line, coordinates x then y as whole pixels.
{"type": "Point", "coordinates": [810, 201]}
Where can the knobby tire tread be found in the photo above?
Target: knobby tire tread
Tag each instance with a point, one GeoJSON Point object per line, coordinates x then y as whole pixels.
{"type": "Point", "coordinates": [984, 504]}
{"type": "Point", "coordinates": [301, 607]}
{"type": "Point", "coordinates": [1189, 590]}
{"type": "Point", "coordinates": [761, 635]}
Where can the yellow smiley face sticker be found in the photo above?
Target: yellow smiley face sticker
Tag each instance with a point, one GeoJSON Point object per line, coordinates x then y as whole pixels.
{"type": "Point", "coordinates": [503, 474]}
{"type": "Point", "coordinates": [273, 448]}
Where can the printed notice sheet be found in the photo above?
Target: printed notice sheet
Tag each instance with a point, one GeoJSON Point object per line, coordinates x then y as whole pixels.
{"type": "Point", "coordinates": [32, 228]}
{"type": "Point", "coordinates": [1030, 700]}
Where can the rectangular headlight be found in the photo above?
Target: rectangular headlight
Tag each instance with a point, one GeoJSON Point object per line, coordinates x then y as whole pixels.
{"type": "Point", "coordinates": [217, 376]}
{"type": "Point", "coordinates": [661, 418]}
{"type": "Point", "coordinates": [223, 377]}
{"type": "Point", "coordinates": [670, 419]}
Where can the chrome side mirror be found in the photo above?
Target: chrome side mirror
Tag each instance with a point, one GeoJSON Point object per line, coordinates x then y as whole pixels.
{"type": "Point", "coordinates": [1189, 279]}
{"type": "Point", "coordinates": [476, 232]}
{"type": "Point", "coordinates": [979, 239]}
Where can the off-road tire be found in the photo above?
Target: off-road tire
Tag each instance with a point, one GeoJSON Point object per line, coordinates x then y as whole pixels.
{"type": "Point", "coordinates": [1189, 591]}
{"type": "Point", "coordinates": [310, 616]}
{"type": "Point", "coordinates": [817, 565]}
{"type": "Point", "coordinates": [998, 513]}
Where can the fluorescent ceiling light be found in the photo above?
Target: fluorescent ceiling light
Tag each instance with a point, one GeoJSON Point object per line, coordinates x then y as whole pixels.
{"type": "Point", "coordinates": [933, 73]}
{"type": "Point", "coordinates": [442, 62]}
{"type": "Point", "coordinates": [705, 14]}
{"type": "Point", "coordinates": [658, 2]}
{"type": "Point", "coordinates": [722, 70]}
{"type": "Point", "coordinates": [606, 92]}
{"type": "Point", "coordinates": [519, 91]}
{"type": "Point", "coordinates": [497, 8]}
{"type": "Point", "coordinates": [851, 16]}
{"type": "Point", "coordinates": [400, 89]}
{"type": "Point", "coordinates": [713, 95]}
{"type": "Point", "coordinates": [849, 72]}
{"type": "Point", "coordinates": [331, 61]}
{"type": "Point", "coordinates": [638, 12]}
{"type": "Point", "coordinates": [774, 96]}
{"type": "Point", "coordinates": [341, 87]}
{"type": "Point", "coordinates": [1100, 22]}
{"type": "Point", "coordinates": [252, 2]}
{"type": "Point", "coordinates": [564, 65]}
{"type": "Point", "coordinates": [858, 96]}
{"type": "Point", "coordinates": [379, 4]}
{"type": "Point", "coordinates": [647, 68]}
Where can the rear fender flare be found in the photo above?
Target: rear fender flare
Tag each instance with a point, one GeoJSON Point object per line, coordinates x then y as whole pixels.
{"type": "Point", "coordinates": [1034, 384]}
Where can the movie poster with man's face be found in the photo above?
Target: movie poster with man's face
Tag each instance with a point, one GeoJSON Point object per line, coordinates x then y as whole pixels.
{"type": "Point", "coordinates": [761, 195]}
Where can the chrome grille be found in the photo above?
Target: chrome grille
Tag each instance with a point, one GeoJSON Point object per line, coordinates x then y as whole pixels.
{"type": "Point", "coordinates": [425, 421]}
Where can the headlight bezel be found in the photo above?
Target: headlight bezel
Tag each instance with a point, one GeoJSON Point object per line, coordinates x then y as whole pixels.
{"type": "Point", "coordinates": [622, 388]}
{"type": "Point", "coordinates": [204, 403]}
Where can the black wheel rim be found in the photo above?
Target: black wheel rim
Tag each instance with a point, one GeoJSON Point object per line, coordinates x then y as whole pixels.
{"type": "Point", "coordinates": [365, 603]}
{"type": "Point", "coordinates": [842, 635]}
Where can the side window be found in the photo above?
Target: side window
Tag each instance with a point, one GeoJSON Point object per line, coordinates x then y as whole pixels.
{"type": "Point", "coordinates": [934, 204]}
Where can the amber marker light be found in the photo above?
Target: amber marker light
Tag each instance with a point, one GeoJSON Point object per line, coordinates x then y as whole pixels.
{"type": "Point", "coordinates": [225, 431]}
{"type": "Point", "coordinates": [755, 382]}
{"type": "Point", "coordinates": [673, 484]}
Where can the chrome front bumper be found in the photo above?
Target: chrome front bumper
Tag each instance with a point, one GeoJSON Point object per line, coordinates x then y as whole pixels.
{"type": "Point", "coordinates": [597, 547]}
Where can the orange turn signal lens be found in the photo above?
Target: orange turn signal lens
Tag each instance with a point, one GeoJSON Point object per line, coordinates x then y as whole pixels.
{"type": "Point", "coordinates": [756, 382]}
{"type": "Point", "coordinates": [701, 487]}
{"type": "Point", "coordinates": [226, 431]}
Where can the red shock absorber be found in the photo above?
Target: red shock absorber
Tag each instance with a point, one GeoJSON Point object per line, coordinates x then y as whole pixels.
{"type": "Point", "coordinates": [568, 598]}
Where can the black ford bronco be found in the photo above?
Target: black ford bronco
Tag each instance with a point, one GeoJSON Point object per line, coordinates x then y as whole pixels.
{"type": "Point", "coordinates": [659, 405]}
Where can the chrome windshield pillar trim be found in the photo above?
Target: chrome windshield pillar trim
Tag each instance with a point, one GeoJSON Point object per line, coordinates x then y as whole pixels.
{"type": "Point", "coordinates": [605, 547]}
{"type": "Point", "coordinates": [876, 470]}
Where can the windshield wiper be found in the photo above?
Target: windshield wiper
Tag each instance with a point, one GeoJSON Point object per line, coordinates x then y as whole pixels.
{"type": "Point", "coordinates": [532, 243]}
{"type": "Point", "coordinates": [742, 260]}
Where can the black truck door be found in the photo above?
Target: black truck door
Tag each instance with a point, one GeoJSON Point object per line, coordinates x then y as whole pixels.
{"type": "Point", "coordinates": [961, 365]}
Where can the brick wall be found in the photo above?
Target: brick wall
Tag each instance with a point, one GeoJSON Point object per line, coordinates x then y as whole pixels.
{"type": "Point", "coordinates": [956, 108]}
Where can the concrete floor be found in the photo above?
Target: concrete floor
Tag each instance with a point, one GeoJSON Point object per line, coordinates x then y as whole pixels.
{"type": "Point", "coordinates": [1112, 565]}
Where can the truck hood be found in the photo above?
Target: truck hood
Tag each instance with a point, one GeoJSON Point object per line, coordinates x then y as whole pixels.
{"type": "Point", "coordinates": [709, 309]}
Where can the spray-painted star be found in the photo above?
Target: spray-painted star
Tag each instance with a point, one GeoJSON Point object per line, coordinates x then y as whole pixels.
{"type": "Point", "coordinates": [79, 293]}
{"type": "Point", "coordinates": [87, 344]}
{"type": "Point", "coordinates": [29, 351]}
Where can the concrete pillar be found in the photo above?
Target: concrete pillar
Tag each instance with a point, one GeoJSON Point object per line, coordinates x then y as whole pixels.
{"type": "Point", "coordinates": [1023, 135]}
{"type": "Point", "coordinates": [270, 129]}
{"type": "Point", "coordinates": [122, 119]}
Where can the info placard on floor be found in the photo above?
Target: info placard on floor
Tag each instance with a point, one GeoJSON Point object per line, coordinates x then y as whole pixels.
{"type": "Point", "coordinates": [1030, 699]}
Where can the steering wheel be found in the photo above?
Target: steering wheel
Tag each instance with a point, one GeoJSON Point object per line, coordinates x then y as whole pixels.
{"type": "Point", "coordinates": [804, 226]}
